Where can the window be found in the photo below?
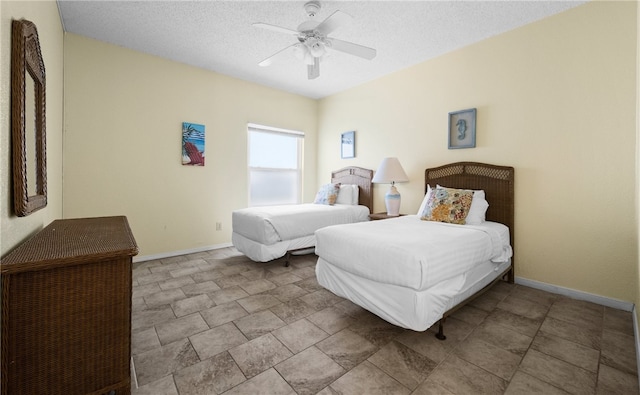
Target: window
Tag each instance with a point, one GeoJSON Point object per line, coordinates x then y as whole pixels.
{"type": "Point", "coordinates": [275, 166]}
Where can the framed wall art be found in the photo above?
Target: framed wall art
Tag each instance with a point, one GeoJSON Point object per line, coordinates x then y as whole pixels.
{"type": "Point", "coordinates": [348, 145]}
{"type": "Point", "coordinates": [192, 144]}
{"type": "Point", "coordinates": [462, 129]}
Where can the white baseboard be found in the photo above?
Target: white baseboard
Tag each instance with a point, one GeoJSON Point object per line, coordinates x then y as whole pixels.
{"type": "Point", "coordinates": [170, 254]}
{"type": "Point", "coordinates": [572, 293]}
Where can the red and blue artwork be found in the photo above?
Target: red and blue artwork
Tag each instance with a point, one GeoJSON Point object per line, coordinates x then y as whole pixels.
{"type": "Point", "coordinates": [192, 144]}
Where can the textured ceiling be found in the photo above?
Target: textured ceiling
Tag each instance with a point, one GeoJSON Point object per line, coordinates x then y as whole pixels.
{"type": "Point", "coordinates": [218, 35]}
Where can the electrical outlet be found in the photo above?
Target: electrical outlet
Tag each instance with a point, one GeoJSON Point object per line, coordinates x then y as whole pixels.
{"type": "Point", "coordinates": [218, 225]}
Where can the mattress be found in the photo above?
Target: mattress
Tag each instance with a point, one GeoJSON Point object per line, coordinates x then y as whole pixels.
{"type": "Point", "coordinates": [409, 252]}
{"type": "Point", "coordinates": [264, 253]}
{"type": "Point", "coordinates": [272, 224]}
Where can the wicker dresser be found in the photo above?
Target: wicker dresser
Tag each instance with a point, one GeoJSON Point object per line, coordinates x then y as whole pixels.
{"type": "Point", "coordinates": [66, 309]}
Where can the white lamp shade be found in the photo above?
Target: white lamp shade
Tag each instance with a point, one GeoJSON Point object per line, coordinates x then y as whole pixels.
{"type": "Point", "coordinates": [390, 171]}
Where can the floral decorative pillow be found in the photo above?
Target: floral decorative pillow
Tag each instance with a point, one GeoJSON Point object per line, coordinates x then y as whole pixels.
{"type": "Point", "coordinates": [448, 205]}
{"type": "Point", "coordinates": [327, 194]}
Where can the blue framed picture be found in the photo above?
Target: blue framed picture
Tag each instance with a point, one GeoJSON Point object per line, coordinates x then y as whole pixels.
{"type": "Point", "coordinates": [192, 144]}
{"type": "Point", "coordinates": [462, 129]}
{"type": "Point", "coordinates": [348, 145]}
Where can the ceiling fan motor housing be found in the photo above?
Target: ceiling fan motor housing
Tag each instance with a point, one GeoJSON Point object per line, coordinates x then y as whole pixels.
{"type": "Point", "coordinates": [312, 8]}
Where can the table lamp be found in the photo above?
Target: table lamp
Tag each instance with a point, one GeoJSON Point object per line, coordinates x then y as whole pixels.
{"type": "Point", "coordinates": [391, 171]}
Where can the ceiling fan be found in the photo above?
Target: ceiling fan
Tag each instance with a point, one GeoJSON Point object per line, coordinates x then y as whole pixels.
{"type": "Point", "coordinates": [313, 40]}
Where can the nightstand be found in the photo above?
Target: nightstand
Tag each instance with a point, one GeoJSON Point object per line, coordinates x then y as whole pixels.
{"type": "Point", "coordinates": [377, 216]}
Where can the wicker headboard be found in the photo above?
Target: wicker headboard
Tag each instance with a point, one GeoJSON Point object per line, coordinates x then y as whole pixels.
{"type": "Point", "coordinates": [359, 176]}
{"type": "Point", "coordinates": [496, 181]}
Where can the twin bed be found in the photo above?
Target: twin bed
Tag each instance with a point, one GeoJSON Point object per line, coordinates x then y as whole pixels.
{"type": "Point", "coordinates": [267, 233]}
{"type": "Point", "coordinates": [413, 272]}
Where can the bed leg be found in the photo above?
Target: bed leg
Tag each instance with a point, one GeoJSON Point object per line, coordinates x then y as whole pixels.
{"type": "Point", "coordinates": [440, 335]}
{"type": "Point", "coordinates": [286, 259]}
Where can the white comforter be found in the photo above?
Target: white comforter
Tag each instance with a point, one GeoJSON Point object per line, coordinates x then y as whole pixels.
{"type": "Point", "coordinates": [271, 224]}
{"type": "Point", "coordinates": [409, 252]}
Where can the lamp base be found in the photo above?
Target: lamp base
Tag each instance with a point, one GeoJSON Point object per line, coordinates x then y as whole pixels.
{"type": "Point", "coordinates": [392, 201]}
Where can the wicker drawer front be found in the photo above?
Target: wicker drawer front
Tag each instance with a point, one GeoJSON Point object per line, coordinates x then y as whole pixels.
{"type": "Point", "coordinates": [67, 329]}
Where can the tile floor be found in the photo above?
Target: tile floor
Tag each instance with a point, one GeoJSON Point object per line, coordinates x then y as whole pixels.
{"type": "Point", "coordinates": [216, 322]}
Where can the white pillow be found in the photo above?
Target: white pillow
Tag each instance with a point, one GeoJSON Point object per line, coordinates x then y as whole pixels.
{"type": "Point", "coordinates": [425, 201]}
{"type": "Point", "coordinates": [479, 206]}
{"type": "Point", "coordinates": [348, 194]}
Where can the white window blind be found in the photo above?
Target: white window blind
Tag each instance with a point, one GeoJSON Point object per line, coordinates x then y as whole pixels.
{"type": "Point", "coordinates": [275, 165]}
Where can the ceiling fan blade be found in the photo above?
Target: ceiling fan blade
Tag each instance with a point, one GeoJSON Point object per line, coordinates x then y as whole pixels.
{"type": "Point", "coordinates": [280, 54]}
{"type": "Point", "coordinates": [313, 70]}
{"type": "Point", "coordinates": [333, 22]}
{"type": "Point", "coordinates": [275, 28]}
{"type": "Point", "coordinates": [351, 48]}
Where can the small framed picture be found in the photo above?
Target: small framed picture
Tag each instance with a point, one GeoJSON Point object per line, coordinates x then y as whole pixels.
{"type": "Point", "coordinates": [462, 129]}
{"type": "Point", "coordinates": [348, 145]}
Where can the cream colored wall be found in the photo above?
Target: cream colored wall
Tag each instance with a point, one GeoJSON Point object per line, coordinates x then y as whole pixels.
{"type": "Point", "coordinates": [44, 14]}
{"type": "Point", "coordinates": [123, 118]}
{"type": "Point", "coordinates": [556, 99]}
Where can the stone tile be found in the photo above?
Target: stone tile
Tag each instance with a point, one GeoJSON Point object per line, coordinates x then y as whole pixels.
{"type": "Point", "coordinates": [227, 295]}
{"type": "Point", "coordinates": [174, 259]}
{"type": "Point", "coordinates": [223, 313]}
{"type": "Point", "coordinates": [493, 359]}
{"type": "Point", "coordinates": [157, 363]}
{"type": "Point", "coordinates": [175, 283]}
{"type": "Point", "coordinates": [321, 299]}
{"type": "Point", "coordinates": [470, 314]}
{"type": "Point", "coordinates": [409, 367]}
{"type": "Point", "coordinates": [299, 335]}
{"type": "Point", "coordinates": [256, 303]}
{"type": "Point", "coordinates": [487, 301]}
{"type": "Point", "coordinates": [268, 382]}
{"type": "Point", "coordinates": [143, 290]}
{"type": "Point", "coordinates": [568, 351]}
{"type": "Point", "coordinates": [216, 340]}
{"type": "Point", "coordinates": [461, 377]}
{"type": "Point", "coordinates": [211, 376]}
{"type": "Point", "coordinates": [206, 275]}
{"type": "Point", "coordinates": [138, 304]}
{"type": "Point", "coordinates": [578, 312]}
{"type": "Point", "coordinates": [233, 271]}
{"type": "Point", "coordinates": [191, 305]}
{"type": "Point", "coordinates": [153, 278]}
{"type": "Point", "coordinates": [366, 378]}
{"type": "Point", "coordinates": [376, 330]}
{"type": "Point", "coordinates": [255, 274]}
{"type": "Point", "coordinates": [428, 387]}
{"type": "Point", "coordinates": [163, 386]}
{"type": "Point", "coordinates": [284, 278]}
{"type": "Point", "coordinates": [614, 381]}
{"type": "Point", "coordinates": [164, 297]}
{"type": "Point", "coordinates": [230, 280]}
{"type": "Point", "coordinates": [180, 328]}
{"type": "Point", "coordinates": [524, 325]}
{"type": "Point", "coordinates": [304, 272]}
{"type": "Point", "coordinates": [619, 351]}
{"type": "Point", "coordinates": [258, 324]}
{"type": "Point", "coordinates": [259, 354]}
{"type": "Point", "coordinates": [279, 268]}
{"type": "Point", "coordinates": [165, 268]}
{"type": "Point", "coordinates": [618, 321]}
{"type": "Point", "coordinates": [200, 288]}
{"type": "Point", "coordinates": [292, 310]}
{"type": "Point", "coordinates": [535, 295]}
{"type": "Point", "coordinates": [522, 383]}
{"type": "Point", "coordinates": [144, 340]}
{"type": "Point", "coordinates": [309, 371]}
{"type": "Point", "coordinates": [561, 374]}
{"type": "Point", "coordinates": [524, 308]}
{"type": "Point", "coordinates": [332, 319]}
{"type": "Point", "coordinates": [587, 337]}
{"type": "Point", "coordinates": [310, 284]}
{"type": "Point", "coordinates": [347, 348]}
{"type": "Point", "coordinates": [150, 317]}
{"type": "Point", "coordinates": [287, 292]}
{"type": "Point", "coordinates": [503, 337]}
{"type": "Point", "coordinates": [257, 286]}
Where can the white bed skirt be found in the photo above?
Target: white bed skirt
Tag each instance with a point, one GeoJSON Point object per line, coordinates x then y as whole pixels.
{"type": "Point", "coordinates": [402, 306]}
{"type": "Point", "coordinates": [265, 253]}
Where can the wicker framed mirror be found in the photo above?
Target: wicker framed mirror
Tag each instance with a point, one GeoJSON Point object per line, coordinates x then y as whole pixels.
{"type": "Point", "coordinates": [28, 119]}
